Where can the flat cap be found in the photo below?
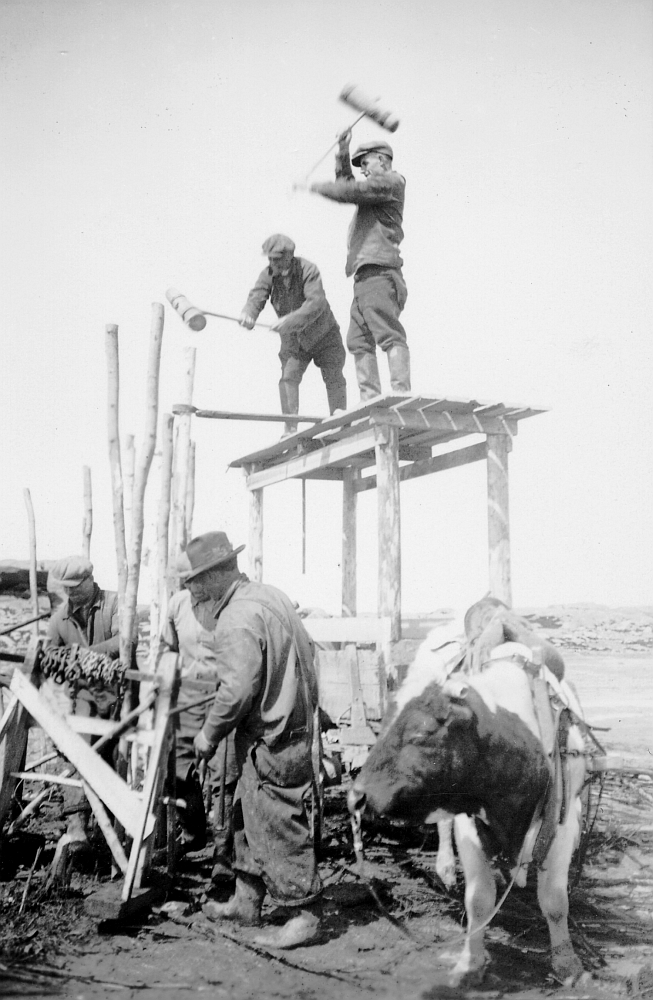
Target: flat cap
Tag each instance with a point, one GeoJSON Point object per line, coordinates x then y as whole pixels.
{"type": "Point", "coordinates": [72, 571]}
{"type": "Point", "coordinates": [278, 244]}
{"type": "Point", "coordinates": [371, 147]}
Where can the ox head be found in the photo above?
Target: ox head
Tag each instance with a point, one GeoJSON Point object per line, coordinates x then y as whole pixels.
{"type": "Point", "coordinates": [414, 768]}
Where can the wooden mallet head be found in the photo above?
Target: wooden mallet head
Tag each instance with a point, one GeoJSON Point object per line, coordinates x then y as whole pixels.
{"type": "Point", "coordinates": [191, 316]}
{"type": "Point", "coordinates": [370, 107]}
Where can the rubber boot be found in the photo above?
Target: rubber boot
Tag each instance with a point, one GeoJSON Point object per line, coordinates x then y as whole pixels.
{"type": "Point", "coordinates": [304, 927]}
{"type": "Point", "coordinates": [367, 376]}
{"type": "Point", "coordinates": [191, 819]}
{"type": "Point", "coordinates": [399, 365]}
{"type": "Point", "coordinates": [223, 835]}
{"type": "Point", "coordinates": [244, 907]}
{"type": "Point", "coordinates": [289, 396]}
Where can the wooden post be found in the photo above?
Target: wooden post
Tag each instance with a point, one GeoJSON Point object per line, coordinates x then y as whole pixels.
{"type": "Point", "coordinates": [145, 457]}
{"type": "Point", "coordinates": [163, 520]}
{"type": "Point", "coordinates": [87, 523]}
{"type": "Point", "coordinates": [387, 481]}
{"type": "Point", "coordinates": [113, 421]}
{"type": "Point", "coordinates": [189, 505]}
{"type": "Point", "coordinates": [255, 544]}
{"type": "Point", "coordinates": [33, 585]}
{"type": "Point", "coordinates": [349, 506]}
{"type": "Point", "coordinates": [498, 446]}
{"type": "Point", "coordinates": [128, 465]}
{"type": "Point", "coordinates": [182, 448]}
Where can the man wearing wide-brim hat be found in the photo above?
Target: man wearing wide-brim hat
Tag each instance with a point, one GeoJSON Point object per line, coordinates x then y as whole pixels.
{"type": "Point", "coordinates": [267, 693]}
{"type": "Point", "coordinates": [373, 260]}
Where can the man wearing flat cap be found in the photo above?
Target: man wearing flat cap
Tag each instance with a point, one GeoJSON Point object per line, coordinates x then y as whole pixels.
{"type": "Point", "coordinates": [308, 328]}
{"type": "Point", "coordinates": [373, 260]}
{"type": "Point", "coordinates": [88, 618]}
{"type": "Point", "coordinates": [267, 693]}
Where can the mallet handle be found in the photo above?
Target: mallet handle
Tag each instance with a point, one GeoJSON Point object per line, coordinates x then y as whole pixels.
{"type": "Point", "coordinates": [234, 319]}
{"type": "Point", "coordinates": [322, 158]}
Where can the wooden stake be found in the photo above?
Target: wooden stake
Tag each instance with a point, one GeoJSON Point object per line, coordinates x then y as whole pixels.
{"type": "Point", "coordinates": [33, 586]}
{"type": "Point", "coordinates": [113, 422]}
{"type": "Point", "coordinates": [87, 523]}
{"type": "Point", "coordinates": [145, 457]}
{"type": "Point", "coordinates": [178, 537]}
{"type": "Point", "coordinates": [189, 505]}
{"type": "Point", "coordinates": [128, 466]}
{"type": "Point", "coordinates": [163, 519]}
{"type": "Point", "coordinates": [256, 535]}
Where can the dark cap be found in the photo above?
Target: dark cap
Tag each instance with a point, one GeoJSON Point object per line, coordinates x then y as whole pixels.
{"type": "Point", "coordinates": [278, 244]}
{"type": "Point", "coordinates": [208, 552]}
{"type": "Point", "coordinates": [72, 571]}
{"type": "Point", "coordinates": [371, 147]}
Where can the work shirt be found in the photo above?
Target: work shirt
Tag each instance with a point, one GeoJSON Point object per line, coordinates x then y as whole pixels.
{"type": "Point", "coordinates": [264, 660]}
{"type": "Point", "coordinates": [184, 634]}
{"type": "Point", "coordinates": [299, 298]}
{"type": "Point", "coordinates": [95, 625]}
{"type": "Point", "coordinates": [376, 228]}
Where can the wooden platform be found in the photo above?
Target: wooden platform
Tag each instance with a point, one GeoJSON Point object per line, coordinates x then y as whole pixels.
{"type": "Point", "coordinates": [326, 449]}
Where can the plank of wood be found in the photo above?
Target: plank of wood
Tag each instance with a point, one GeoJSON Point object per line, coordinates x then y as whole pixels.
{"type": "Point", "coordinates": [107, 828]}
{"type": "Point", "coordinates": [295, 466]}
{"type": "Point", "coordinates": [439, 463]}
{"type": "Point", "coordinates": [367, 630]}
{"type": "Point", "coordinates": [442, 421]}
{"type": "Point", "coordinates": [117, 796]}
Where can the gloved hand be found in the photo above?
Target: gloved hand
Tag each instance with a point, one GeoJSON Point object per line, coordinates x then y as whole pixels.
{"type": "Point", "coordinates": [344, 139]}
{"type": "Point", "coordinates": [247, 321]}
{"type": "Point", "coordinates": [203, 749]}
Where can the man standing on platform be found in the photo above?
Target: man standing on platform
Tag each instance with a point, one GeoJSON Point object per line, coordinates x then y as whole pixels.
{"type": "Point", "coordinates": [308, 328]}
{"type": "Point", "coordinates": [267, 693]}
{"type": "Point", "coordinates": [373, 260]}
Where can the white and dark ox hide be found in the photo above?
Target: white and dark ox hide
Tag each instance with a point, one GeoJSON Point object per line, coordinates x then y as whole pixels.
{"type": "Point", "coordinates": [467, 748]}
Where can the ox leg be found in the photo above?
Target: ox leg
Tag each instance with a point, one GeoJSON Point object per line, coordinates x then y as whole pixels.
{"type": "Point", "coordinates": [552, 889]}
{"type": "Point", "coordinates": [480, 894]}
{"type": "Point", "coordinates": [445, 863]}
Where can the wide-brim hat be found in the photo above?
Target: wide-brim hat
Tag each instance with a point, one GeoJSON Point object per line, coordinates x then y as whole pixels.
{"type": "Point", "coordinates": [371, 147]}
{"type": "Point", "coordinates": [72, 571]}
{"type": "Point", "coordinates": [208, 552]}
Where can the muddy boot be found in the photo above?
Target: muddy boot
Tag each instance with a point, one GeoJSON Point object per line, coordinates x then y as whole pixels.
{"type": "Point", "coordinates": [367, 376]}
{"type": "Point", "coordinates": [223, 839]}
{"type": "Point", "coordinates": [77, 833]}
{"type": "Point", "coordinates": [244, 907]}
{"type": "Point", "coordinates": [289, 396]}
{"type": "Point", "coordinates": [302, 928]}
{"type": "Point", "coordinates": [399, 365]}
{"type": "Point", "coordinates": [191, 818]}
{"type": "Point", "coordinates": [336, 397]}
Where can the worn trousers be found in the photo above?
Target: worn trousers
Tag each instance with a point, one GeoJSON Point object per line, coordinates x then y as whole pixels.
{"type": "Point", "coordinates": [272, 837]}
{"type": "Point", "coordinates": [328, 354]}
{"type": "Point", "coordinates": [379, 298]}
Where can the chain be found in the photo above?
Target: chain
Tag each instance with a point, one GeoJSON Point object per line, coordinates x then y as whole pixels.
{"type": "Point", "coordinates": [80, 667]}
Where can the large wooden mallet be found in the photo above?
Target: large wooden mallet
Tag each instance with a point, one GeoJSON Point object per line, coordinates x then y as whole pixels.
{"type": "Point", "coordinates": [367, 107]}
{"type": "Point", "coordinates": [196, 318]}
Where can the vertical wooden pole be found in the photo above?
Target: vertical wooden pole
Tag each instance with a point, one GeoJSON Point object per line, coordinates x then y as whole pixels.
{"type": "Point", "coordinates": [33, 583]}
{"type": "Point", "coordinates": [145, 457]}
{"type": "Point", "coordinates": [87, 523]}
{"type": "Point", "coordinates": [128, 464]}
{"type": "Point", "coordinates": [255, 541]}
{"type": "Point", "coordinates": [189, 505]}
{"type": "Point", "coordinates": [389, 524]}
{"type": "Point", "coordinates": [303, 526]}
{"type": "Point", "coordinates": [163, 520]}
{"type": "Point", "coordinates": [113, 422]}
{"type": "Point", "coordinates": [498, 447]}
{"type": "Point", "coordinates": [349, 508]}
{"type": "Point", "coordinates": [180, 471]}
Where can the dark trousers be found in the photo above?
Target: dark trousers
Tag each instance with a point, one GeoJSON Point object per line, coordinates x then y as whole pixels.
{"type": "Point", "coordinates": [329, 355]}
{"type": "Point", "coordinates": [379, 298]}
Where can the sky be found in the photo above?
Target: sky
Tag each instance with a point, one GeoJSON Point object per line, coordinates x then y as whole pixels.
{"type": "Point", "coordinates": [155, 144]}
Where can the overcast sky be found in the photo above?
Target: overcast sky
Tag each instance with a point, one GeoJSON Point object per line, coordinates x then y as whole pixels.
{"type": "Point", "coordinates": [155, 143]}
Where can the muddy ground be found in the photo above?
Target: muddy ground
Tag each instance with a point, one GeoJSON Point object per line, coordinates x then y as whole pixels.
{"type": "Point", "coordinates": [400, 941]}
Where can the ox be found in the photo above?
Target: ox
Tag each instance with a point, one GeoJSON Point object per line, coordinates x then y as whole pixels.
{"type": "Point", "coordinates": [469, 747]}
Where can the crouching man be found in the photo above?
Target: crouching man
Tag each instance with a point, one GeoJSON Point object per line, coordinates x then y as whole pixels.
{"type": "Point", "coordinates": [267, 693]}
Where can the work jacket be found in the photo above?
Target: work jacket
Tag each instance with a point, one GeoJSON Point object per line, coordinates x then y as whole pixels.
{"type": "Point", "coordinates": [376, 228]}
{"type": "Point", "coordinates": [299, 298]}
{"type": "Point", "coordinates": [183, 633]}
{"type": "Point", "coordinates": [264, 660]}
{"type": "Point", "coordinates": [101, 630]}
